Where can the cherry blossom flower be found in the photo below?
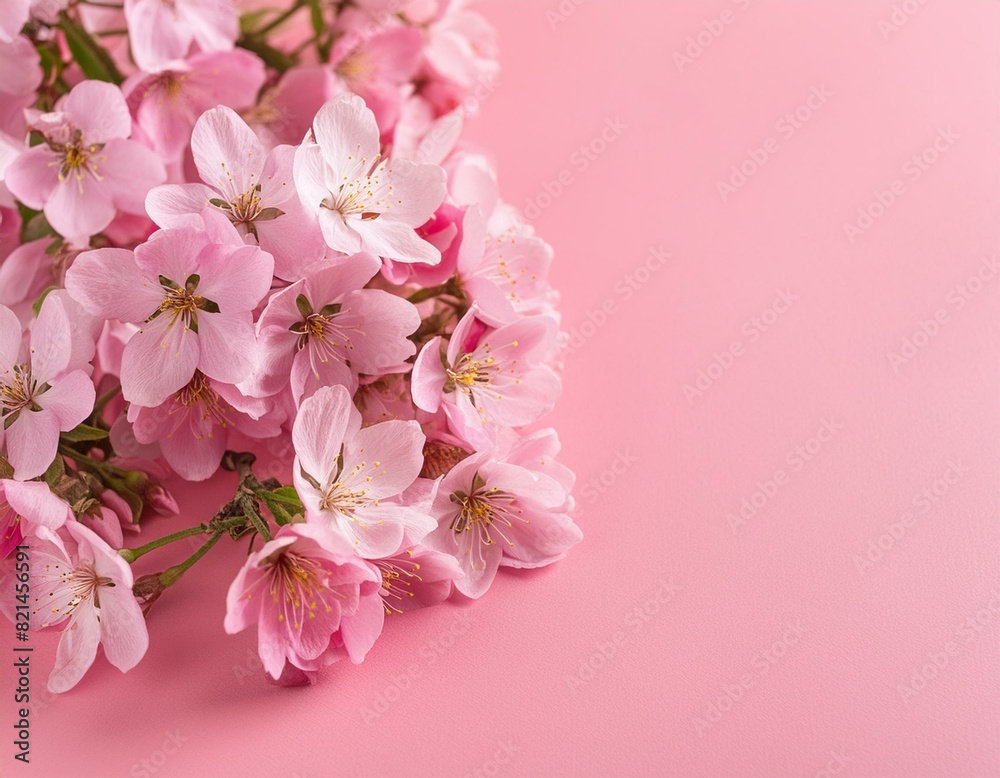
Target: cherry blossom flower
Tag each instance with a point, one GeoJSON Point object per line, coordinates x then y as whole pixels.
{"type": "Point", "coordinates": [41, 392]}
{"type": "Point", "coordinates": [24, 507]}
{"type": "Point", "coordinates": [313, 600]}
{"type": "Point", "coordinates": [502, 508]}
{"type": "Point", "coordinates": [362, 202]}
{"type": "Point", "coordinates": [162, 31]}
{"type": "Point", "coordinates": [505, 274]}
{"type": "Point", "coordinates": [252, 187]}
{"type": "Point", "coordinates": [193, 300]}
{"type": "Point", "coordinates": [195, 425]}
{"type": "Point", "coordinates": [375, 67]}
{"type": "Point", "coordinates": [326, 329]}
{"type": "Point", "coordinates": [86, 169]}
{"type": "Point", "coordinates": [488, 380]}
{"type": "Point", "coordinates": [347, 477]}
{"type": "Point", "coordinates": [167, 104]}
{"type": "Point", "coordinates": [416, 578]}
{"type": "Point", "coordinates": [79, 583]}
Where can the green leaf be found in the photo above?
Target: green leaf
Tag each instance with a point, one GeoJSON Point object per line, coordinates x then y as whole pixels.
{"type": "Point", "coordinates": [36, 227]}
{"type": "Point", "coordinates": [330, 310]}
{"type": "Point", "coordinates": [284, 504]}
{"type": "Point", "coordinates": [167, 283]}
{"type": "Point", "coordinates": [6, 469]}
{"type": "Point", "coordinates": [271, 56]}
{"type": "Point", "coordinates": [218, 203]}
{"type": "Point", "coordinates": [55, 472]}
{"type": "Point", "coordinates": [84, 432]}
{"type": "Point", "coordinates": [37, 305]}
{"type": "Point", "coordinates": [316, 16]}
{"type": "Point", "coordinates": [93, 59]}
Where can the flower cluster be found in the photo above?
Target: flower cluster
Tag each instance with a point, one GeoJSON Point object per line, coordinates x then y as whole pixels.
{"type": "Point", "coordinates": [227, 229]}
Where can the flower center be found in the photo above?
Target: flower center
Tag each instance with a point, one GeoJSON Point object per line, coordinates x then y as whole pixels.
{"type": "Point", "coordinates": [356, 68]}
{"type": "Point", "coordinates": [366, 197]}
{"type": "Point", "coordinates": [77, 158]}
{"type": "Point", "coordinates": [295, 580]}
{"type": "Point", "coordinates": [200, 392]}
{"type": "Point", "coordinates": [485, 510]}
{"type": "Point", "coordinates": [19, 394]}
{"type": "Point", "coordinates": [469, 373]}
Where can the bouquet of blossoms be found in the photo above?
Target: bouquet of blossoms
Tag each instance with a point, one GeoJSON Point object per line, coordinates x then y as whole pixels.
{"type": "Point", "coordinates": [238, 235]}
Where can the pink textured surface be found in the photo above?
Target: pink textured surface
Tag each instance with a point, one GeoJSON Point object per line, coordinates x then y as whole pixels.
{"type": "Point", "coordinates": [782, 642]}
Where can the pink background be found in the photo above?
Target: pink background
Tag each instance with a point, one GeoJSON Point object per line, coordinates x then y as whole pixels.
{"type": "Point", "coordinates": [782, 642]}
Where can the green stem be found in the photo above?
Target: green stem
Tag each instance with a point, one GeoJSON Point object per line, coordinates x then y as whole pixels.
{"type": "Point", "coordinates": [101, 467]}
{"type": "Point", "coordinates": [104, 399]}
{"type": "Point", "coordinates": [171, 575]}
{"type": "Point", "coordinates": [131, 554]}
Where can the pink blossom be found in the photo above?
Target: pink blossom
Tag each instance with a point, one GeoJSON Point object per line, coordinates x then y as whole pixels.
{"type": "Point", "coordinates": [348, 477]}
{"type": "Point", "coordinates": [376, 67]}
{"type": "Point", "coordinates": [162, 31]}
{"type": "Point", "coordinates": [505, 274]}
{"type": "Point", "coordinates": [24, 507]}
{"type": "Point", "coordinates": [193, 300]}
{"type": "Point", "coordinates": [86, 169]}
{"type": "Point", "coordinates": [166, 104]}
{"type": "Point", "coordinates": [488, 379]}
{"type": "Point", "coordinates": [251, 187]}
{"type": "Point", "coordinates": [13, 16]}
{"type": "Point", "coordinates": [194, 426]}
{"type": "Point", "coordinates": [362, 203]}
{"type": "Point", "coordinates": [284, 113]}
{"type": "Point", "coordinates": [78, 582]}
{"type": "Point", "coordinates": [326, 329]}
{"type": "Point", "coordinates": [312, 598]}
{"type": "Point", "coordinates": [502, 508]}
{"type": "Point", "coordinates": [416, 578]}
{"type": "Point", "coordinates": [41, 392]}
{"type": "Point", "coordinates": [443, 231]}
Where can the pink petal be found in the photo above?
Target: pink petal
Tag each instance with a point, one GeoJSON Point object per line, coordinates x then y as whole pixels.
{"type": "Point", "coordinates": [360, 630]}
{"type": "Point", "coordinates": [79, 209]}
{"type": "Point", "coordinates": [227, 345]}
{"type": "Point", "coordinates": [36, 504]}
{"type": "Point", "coordinates": [123, 627]}
{"type": "Point", "coordinates": [77, 649]}
{"type": "Point", "coordinates": [228, 154]}
{"type": "Point", "coordinates": [429, 377]}
{"type": "Point", "coordinates": [32, 177]}
{"type": "Point", "coordinates": [384, 459]}
{"type": "Point", "coordinates": [158, 361]}
{"type": "Point", "coordinates": [10, 341]}
{"type": "Point", "coordinates": [50, 341]}
{"type": "Point", "coordinates": [319, 431]}
{"type": "Point", "coordinates": [71, 398]}
{"type": "Point", "coordinates": [99, 110]}
{"type": "Point", "coordinates": [347, 135]}
{"type": "Point", "coordinates": [235, 278]}
{"type": "Point", "coordinates": [32, 441]}
{"type": "Point", "coordinates": [130, 171]}
{"type": "Point", "coordinates": [109, 285]}
{"type": "Point", "coordinates": [393, 240]}
{"type": "Point", "coordinates": [178, 205]}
